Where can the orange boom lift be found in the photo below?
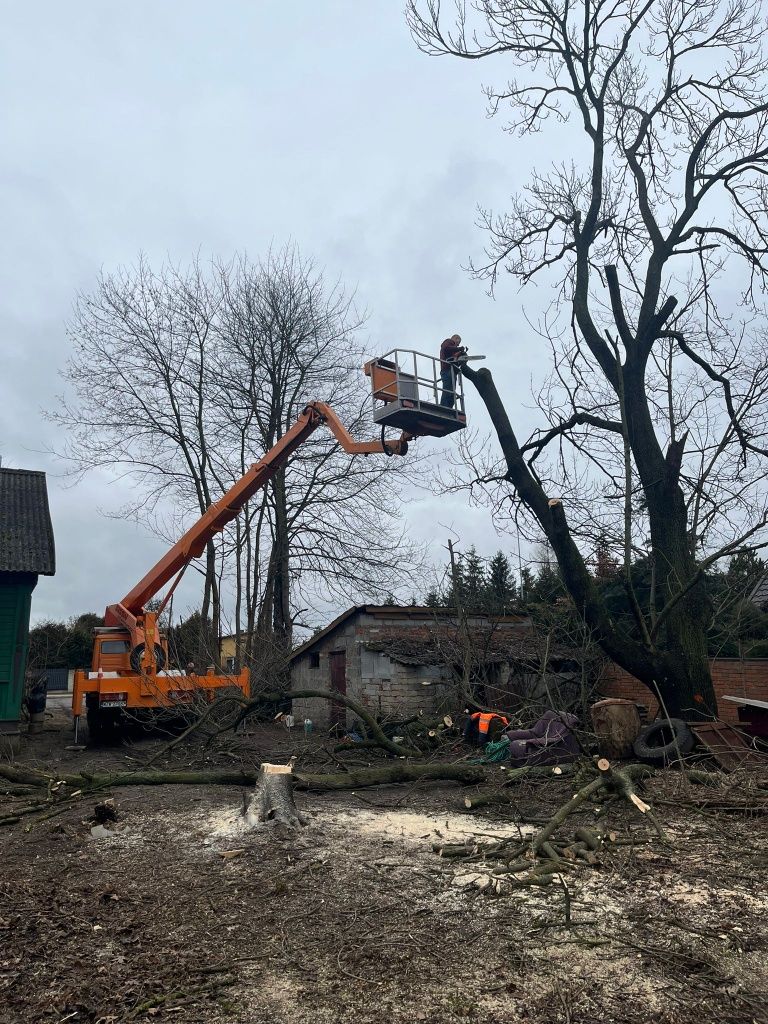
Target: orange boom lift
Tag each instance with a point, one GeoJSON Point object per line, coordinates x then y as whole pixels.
{"type": "Point", "coordinates": [130, 666]}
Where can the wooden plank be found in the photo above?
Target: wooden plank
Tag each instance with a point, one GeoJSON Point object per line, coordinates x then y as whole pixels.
{"type": "Point", "coordinates": [747, 702]}
{"type": "Point", "coordinates": [728, 746]}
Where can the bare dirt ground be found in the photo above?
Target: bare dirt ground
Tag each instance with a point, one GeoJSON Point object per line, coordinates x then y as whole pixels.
{"type": "Point", "coordinates": [179, 915]}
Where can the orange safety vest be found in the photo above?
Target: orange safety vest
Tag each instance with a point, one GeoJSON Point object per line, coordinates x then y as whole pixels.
{"type": "Point", "coordinates": [484, 720]}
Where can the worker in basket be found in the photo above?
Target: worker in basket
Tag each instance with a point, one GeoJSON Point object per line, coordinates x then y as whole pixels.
{"type": "Point", "coordinates": [451, 352]}
{"type": "Point", "coordinates": [484, 727]}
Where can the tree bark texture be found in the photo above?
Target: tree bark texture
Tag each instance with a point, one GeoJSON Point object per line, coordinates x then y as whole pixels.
{"type": "Point", "coordinates": [272, 798]}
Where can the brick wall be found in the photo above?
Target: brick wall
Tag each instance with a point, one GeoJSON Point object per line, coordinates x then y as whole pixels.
{"type": "Point", "coordinates": [748, 678]}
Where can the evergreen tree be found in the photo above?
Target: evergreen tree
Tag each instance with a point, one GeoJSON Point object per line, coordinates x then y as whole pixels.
{"type": "Point", "coordinates": [501, 587]}
{"type": "Point", "coordinates": [474, 581]}
{"type": "Point", "coordinates": [739, 628]}
{"type": "Point", "coordinates": [63, 644]}
{"type": "Point", "coordinates": [433, 599]}
{"type": "Point", "coordinates": [744, 570]}
{"type": "Point", "coordinates": [548, 585]}
{"type": "Point", "coordinates": [193, 641]}
{"type": "Point", "coordinates": [455, 594]}
{"type": "Point", "coordinates": [527, 585]}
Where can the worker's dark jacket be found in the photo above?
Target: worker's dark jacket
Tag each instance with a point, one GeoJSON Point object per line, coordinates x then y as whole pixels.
{"type": "Point", "coordinates": [448, 351]}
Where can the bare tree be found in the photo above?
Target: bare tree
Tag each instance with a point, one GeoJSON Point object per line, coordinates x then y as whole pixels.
{"type": "Point", "coordinates": [332, 520]}
{"type": "Point", "coordinates": [139, 368]}
{"type": "Point", "coordinates": [184, 378]}
{"type": "Point", "coordinates": [655, 435]}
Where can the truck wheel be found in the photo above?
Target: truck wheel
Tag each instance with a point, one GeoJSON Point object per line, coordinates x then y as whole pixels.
{"type": "Point", "coordinates": [95, 721]}
{"type": "Point", "coordinates": [137, 653]}
{"type": "Point", "coordinates": [103, 724]}
{"type": "Point", "coordinates": [664, 741]}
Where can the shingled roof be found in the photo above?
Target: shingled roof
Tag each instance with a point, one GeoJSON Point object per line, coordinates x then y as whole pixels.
{"type": "Point", "coordinates": [759, 595]}
{"type": "Point", "coordinates": [26, 534]}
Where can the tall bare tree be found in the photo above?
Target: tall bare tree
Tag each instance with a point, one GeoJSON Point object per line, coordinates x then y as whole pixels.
{"type": "Point", "coordinates": [184, 378]}
{"type": "Point", "coordinates": [289, 337]}
{"type": "Point", "coordinates": [139, 369]}
{"type": "Point", "coordinates": [655, 432]}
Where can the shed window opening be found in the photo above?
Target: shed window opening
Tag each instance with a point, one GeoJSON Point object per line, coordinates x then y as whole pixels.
{"type": "Point", "coordinates": [314, 660]}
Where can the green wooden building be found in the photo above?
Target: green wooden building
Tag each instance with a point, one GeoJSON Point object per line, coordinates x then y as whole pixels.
{"type": "Point", "coordinates": [26, 552]}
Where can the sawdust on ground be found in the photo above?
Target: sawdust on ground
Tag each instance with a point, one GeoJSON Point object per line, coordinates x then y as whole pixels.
{"type": "Point", "coordinates": [181, 914]}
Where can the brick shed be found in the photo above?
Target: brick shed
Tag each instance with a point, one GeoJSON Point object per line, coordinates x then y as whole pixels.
{"type": "Point", "coordinates": [401, 660]}
{"type": "Point", "coordinates": [737, 677]}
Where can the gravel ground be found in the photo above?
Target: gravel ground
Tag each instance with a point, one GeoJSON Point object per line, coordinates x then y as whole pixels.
{"type": "Point", "coordinates": [177, 914]}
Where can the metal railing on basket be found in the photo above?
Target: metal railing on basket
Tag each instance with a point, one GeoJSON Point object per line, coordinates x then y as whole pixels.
{"type": "Point", "coordinates": [418, 380]}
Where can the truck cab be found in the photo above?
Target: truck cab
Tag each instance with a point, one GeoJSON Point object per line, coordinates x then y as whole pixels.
{"type": "Point", "coordinates": [111, 650]}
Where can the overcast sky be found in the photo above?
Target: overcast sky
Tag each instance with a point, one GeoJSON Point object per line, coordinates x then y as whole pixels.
{"type": "Point", "coordinates": [179, 127]}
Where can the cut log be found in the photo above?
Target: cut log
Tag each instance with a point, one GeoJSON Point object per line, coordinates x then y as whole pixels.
{"type": "Point", "coordinates": [400, 771]}
{"type": "Point", "coordinates": [272, 798]}
{"type": "Point", "coordinates": [588, 837]}
{"type": "Point", "coordinates": [616, 724]}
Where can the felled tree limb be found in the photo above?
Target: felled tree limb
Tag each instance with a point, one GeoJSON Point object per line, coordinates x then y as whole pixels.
{"type": "Point", "coordinates": [544, 853]}
{"type": "Point", "coordinates": [504, 794]}
{"type": "Point", "coordinates": [554, 823]}
{"type": "Point", "coordinates": [373, 727]}
{"type": "Point", "coordinates": [360, 778]}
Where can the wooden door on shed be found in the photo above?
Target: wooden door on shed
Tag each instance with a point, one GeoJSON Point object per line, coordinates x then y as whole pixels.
{"type": "Point", "coordinates": [338, 663]}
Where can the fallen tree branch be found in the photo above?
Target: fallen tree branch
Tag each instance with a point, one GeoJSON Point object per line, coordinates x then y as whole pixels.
{"type": "Point", "coordinates": [543, 855]}
{"type": "Point", "coordinates": [504, 793]}
{"type": "Point", "coordinates": [375, 730]}
{"type": "Point", "coordinates": [466, 774]}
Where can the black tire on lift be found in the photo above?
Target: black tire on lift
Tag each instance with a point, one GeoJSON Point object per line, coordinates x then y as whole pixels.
{"type": "Point", "coordinates": [101, 721]}
{"type": "Point", "coordinates": [138, 651]}
{"type": "Point", "coordinates": [664, 741]}
{"type": "Point", "coordinates": [95, 721]}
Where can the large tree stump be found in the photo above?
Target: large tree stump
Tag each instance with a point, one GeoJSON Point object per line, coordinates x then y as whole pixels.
{"type": "Point", "coordinates": [272, 798]}
{"type": "Point", "coordinates": [617, 724]}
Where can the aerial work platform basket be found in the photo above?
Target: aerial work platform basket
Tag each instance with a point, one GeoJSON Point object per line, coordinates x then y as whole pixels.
{"type": "Point", "coordinates": [409, 394]}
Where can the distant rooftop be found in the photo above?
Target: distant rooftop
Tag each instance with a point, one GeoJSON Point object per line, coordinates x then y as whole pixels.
{"type": "Point", "coordinates": [26, 534]}
{"type": "Point", "coordinates": [759, 595]}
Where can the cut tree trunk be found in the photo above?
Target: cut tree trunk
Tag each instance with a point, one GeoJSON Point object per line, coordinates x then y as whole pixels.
{"type": "Point", "coordinates": [272, 798]}
{"type": "Point", "coordinates": [676, 661]}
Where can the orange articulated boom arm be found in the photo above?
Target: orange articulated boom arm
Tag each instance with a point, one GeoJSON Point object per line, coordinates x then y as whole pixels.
{"type": "Point", "coordinates": [194, 541]}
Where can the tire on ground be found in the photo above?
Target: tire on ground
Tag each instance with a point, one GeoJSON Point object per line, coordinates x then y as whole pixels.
{"type": "Point", "coordinates": [664, 741]}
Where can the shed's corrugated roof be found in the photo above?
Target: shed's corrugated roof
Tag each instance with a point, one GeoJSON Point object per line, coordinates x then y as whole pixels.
{"type": "Point", "coordinates": [26, 534]}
